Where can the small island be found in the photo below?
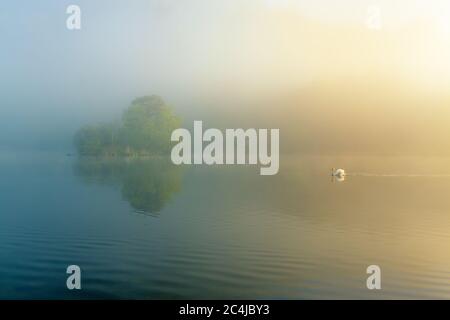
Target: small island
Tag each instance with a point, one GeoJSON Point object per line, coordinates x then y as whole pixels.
{"type": "Point", "coordinates": [144, 130]}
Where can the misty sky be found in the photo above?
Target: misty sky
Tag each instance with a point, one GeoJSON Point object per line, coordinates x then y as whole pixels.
{"type": "Point", "coordinates": [312, 68]}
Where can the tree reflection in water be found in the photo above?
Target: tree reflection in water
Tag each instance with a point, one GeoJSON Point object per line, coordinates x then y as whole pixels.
{"type": "Point", "coordinates": [146, 183]}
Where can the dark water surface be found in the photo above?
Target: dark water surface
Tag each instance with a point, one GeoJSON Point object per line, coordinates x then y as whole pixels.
{"type": "Point", "coordinates": [147, 229]}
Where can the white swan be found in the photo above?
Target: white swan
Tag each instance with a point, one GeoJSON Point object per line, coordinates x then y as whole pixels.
{"type": "Point", "coordinates": [339, 173]}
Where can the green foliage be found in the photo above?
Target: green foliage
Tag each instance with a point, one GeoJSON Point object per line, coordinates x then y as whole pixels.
{"type": "Point", "coordinates": [145, 130]}
{"type": "Point", "coordinates": [148, 124]}
{"type": "Point", "coordinates": [96, 139]}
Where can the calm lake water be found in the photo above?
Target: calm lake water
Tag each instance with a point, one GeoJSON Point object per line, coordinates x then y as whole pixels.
{"type": "Point", "coordinates": [144, 229]}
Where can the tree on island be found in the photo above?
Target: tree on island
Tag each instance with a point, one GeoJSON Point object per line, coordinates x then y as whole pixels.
{"type": "Point", "coordinates": [145, 129]}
